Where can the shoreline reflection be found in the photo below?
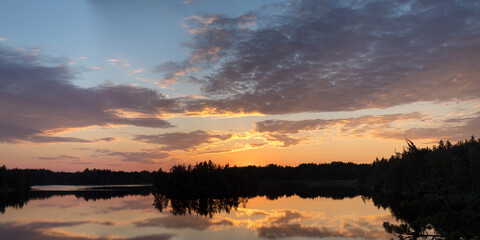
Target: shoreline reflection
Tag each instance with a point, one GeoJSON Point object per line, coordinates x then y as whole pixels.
{"type": "Point", "coordinates": [294, 211]}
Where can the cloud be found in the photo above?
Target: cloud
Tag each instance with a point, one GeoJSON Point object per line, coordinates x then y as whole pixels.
{"type": "Point", "coordinates": [144, 204]}
{"type": "Point", "coordinates": [36, 99]}
{"type": "Point", "coordinates": [135, 71]}
{"type": "Point", "coordinates": [251, 213]}
{"type": "Point", "coordinates": [379, 126]}
{"type": "Point", "coordinates": [163, 236]}
{"type": "Point", "coordinates": [316, 56]}
{"type": "Point", "coordinates": [282, 130]}
{"type": "Point", "coordinates": [45, 230]}
{"type": "Point", "coordinates": [181, 140]}
{"type": "Point", "coordinates": [256, 145]}
{"type": "Point", "coordinates": [285, 126]}
{"type": "Point", "coordinates": [173, 71]}
{"type": "Point", "coordinates": [118, 61]}
{"type": "Point", "coordinates": [79, 162]}
{"type": "Point", "coordinates": [11, 133]}
{"type": "Point", "coordinates": [107, 139]}
{"type": "Point", "coordinates": [284, 139]}
{"type": "Point", "coordinates": [81, 149]}
{"type": "Point", "coordinates": [295, 230]}
{"type": "Point", "coordinates": [60, 157]}
{"type": "Point", "coordinates": [288, 215]}
{"type": "Point", "coordinates": [176, 222]}
{"type": "Point", "coordinates": [145, 156]}
{"type": "Point", "coordinates": [67, 159]}
{"type": "Point", "coordinates": [454, 129]}
{"type": "Point", "coordinates": [97, 68]}
{"type": "Point", "coordinates": [53, 224]}
{"type": "Point", "coordinates": [53, 139]}
{"type": "Point", "coordinates": [3, 39]}
{"type": "Point", "coordinates": [189, 2]}
{"type": "Point", "coordinates": [282, 226]}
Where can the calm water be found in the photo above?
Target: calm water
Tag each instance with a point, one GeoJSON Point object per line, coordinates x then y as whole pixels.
{"type": "Point", "coordinates": [144, 216]}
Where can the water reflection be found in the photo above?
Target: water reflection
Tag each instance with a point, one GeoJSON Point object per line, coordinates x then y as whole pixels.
{"type": "Point", "coordinates": [432, 216]}
{"type": "Point", "coordinates": [302, 219]}
{"type": "Point", "coordinates": [297, 213]}
{"type": "Point", "coordinates": [18, 199]}
{"type": "Point", "coordinates": [120, 214]}
{"type": "Point", "coordinates": [188, 203]}
{"type": "Point", "coordinates": [201, 206]}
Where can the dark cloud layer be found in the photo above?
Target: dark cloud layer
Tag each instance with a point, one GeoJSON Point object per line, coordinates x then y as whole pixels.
{"type": "Point", "coordinates": [380, 126]}
{"type": "Point", "coordinates": [181, 140]}
{"type": "Point", "coordinates": [286, 126]}
{"type": "Point", "coordinates": [451, 129]}
{"type": "Point", "coordinates": [280, 130]}
{"type": "Point", "coordinates": [335, 56]}
{"type": "Point", "coordinates": [36, 98]}
{"type": "Point", "coordinates": [11, 133]}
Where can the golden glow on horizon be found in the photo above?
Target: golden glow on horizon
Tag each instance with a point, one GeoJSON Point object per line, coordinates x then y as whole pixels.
{"type": "Point", "coordinates": [359, 139]}
{"type": "Point", "coordinates": [213, 112]}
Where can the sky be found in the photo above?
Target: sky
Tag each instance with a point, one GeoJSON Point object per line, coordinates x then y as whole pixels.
{"type": "Point", "coordinates": [143, 85]}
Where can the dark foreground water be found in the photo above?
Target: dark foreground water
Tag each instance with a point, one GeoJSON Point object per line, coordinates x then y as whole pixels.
{"type": "Point", "coordinates": [62, 212]}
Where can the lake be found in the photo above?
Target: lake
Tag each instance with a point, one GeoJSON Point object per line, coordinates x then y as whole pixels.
{"type": "Point", "coordinates": [67, 213]}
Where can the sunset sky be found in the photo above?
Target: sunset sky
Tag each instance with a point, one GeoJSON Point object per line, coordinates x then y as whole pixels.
{"type": "Point", "coordinates": [139, 85]}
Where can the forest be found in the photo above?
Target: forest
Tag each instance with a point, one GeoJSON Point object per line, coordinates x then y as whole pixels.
{"type": "Point", "coordinates": [443, 169]}
{"type": "Point", "coordinates": [24, 178]}
{"type": "Point", "coordinates": [203, 175]}
{"type": "Point", "coordinates": [206, 178]}
{"type": "Point", "coordinates": [430, 188]}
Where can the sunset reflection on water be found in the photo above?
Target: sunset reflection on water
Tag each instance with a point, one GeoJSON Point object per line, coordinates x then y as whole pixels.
{"type": "Point", "coordinates": [135, 217]}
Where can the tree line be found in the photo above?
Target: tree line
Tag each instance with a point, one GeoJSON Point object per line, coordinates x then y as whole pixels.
{"type": "Point", "coordinates": [10, 179]}
{"type": "Point", "coordinates": [24, 178]}
{"type": "Point", "coordinates": [210, 178]}
{"type": "Point", "coordinates": [445, 168]}
{"type": "Point", "coordinates": [206, 175]}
